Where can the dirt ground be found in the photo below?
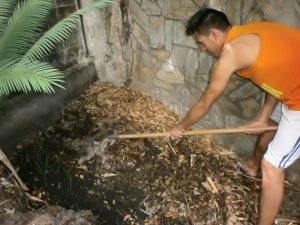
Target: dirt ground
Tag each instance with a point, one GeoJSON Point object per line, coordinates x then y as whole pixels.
{"type": "Point", "coordinates": [78, 176]}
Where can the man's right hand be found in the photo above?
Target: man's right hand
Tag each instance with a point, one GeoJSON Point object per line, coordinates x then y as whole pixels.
{"type": "Point", "coordinates": [176, 132]}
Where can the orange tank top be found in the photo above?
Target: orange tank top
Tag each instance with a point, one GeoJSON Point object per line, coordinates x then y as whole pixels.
{"type": "Point", "coordinates": [277, 66]}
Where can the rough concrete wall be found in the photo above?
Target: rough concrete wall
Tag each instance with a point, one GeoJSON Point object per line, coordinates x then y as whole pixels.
{"type": "Point", "coordinates": [24, 115]}
{"type": "Point", "coordinates": [110, 43]}
{"type": "Point", "coordinates": [73, 51]}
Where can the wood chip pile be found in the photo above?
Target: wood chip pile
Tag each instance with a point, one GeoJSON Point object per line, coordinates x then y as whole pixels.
{"type": "Point", "coordinates": [184, 181]}
{"type": "Point", "coordinates": [151, 180]}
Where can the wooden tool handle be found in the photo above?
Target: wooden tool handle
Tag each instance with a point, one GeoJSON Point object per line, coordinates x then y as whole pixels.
{"type": "Point", "coordinates": [199, 132]}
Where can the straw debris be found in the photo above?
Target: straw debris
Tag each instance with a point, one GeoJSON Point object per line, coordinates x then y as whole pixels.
{"type": "Point", "coordinates": [153, 181]}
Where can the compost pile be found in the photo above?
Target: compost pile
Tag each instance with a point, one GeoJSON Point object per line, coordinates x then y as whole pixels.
{"type": "Point", "coordinates": [137, 181]}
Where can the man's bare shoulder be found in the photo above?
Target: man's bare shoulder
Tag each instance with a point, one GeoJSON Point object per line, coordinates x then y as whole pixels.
{"type": "Point", "coordinates": [243, 50]}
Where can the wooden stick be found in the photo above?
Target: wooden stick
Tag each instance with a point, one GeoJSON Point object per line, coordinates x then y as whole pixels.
{"type": "Point", "coordinates": [200, 132]}
{"type": "Point", "coordinates": [7, 163]}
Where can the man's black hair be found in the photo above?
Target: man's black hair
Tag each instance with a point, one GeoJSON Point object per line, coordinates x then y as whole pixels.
{"type": "Point", "coordinates": [205, 19]}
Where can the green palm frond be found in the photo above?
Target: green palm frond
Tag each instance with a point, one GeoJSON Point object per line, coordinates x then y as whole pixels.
{"type": "Point", "coordinates": [6, 10]}
{"type": "Point", "coordinates": [24, 27]}
{"type": "Point", "coordinates": [36, 76]}
{"type": "Point", "coordinates": [23, 44]}
{"type": "Point", "coordinates": [60, 32]}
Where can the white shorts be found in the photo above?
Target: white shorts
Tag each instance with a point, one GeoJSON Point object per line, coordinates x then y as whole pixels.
{"type": "Point", "coordinates": [284, 149]}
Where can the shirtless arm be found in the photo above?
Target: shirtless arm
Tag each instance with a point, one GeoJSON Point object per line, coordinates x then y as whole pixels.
{"type": "Point", "coordinates": [219, 80]}
{"type": "Point", "coordinates": [237, 54]}
{"type": "Point", "coordinates": [220, 75]}
{"type": "Point", "coordinates": [264, 114]}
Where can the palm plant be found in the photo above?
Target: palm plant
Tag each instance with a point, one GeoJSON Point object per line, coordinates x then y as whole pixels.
{"type": "Point", "coordinates": [24, 44]}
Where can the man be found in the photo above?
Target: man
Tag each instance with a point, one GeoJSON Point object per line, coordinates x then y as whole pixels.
{"type": "Point", "coordinates": [267, 54]}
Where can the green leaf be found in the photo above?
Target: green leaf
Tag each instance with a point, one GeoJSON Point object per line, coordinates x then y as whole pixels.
{"type": "Point", "coordinates": [6, 10]}
{"type": "Point", "coordinates": [23, 44]}
{"type": "Point", "coordinates": [22, 77]}
{"type": "Point", "coordinates": [24, 27]}
{"type": "Point", "coordinates": [60, 32]}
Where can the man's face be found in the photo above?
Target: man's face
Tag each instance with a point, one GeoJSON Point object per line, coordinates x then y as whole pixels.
{"type": "Point", "coordinates": [208, 43]}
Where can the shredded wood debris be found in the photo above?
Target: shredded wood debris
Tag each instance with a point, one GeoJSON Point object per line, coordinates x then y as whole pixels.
{"type": "Point", "coordinates": [152, 180]}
